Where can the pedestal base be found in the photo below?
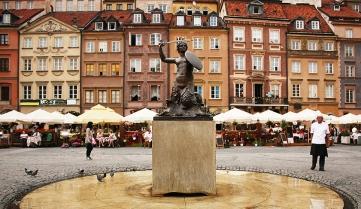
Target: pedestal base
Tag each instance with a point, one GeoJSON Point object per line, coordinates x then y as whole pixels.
{"type": "Point", "coordinates": [184, 157]}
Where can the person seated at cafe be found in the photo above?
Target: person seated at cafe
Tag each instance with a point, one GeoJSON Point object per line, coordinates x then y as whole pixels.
{"type": "Point", "coordinates": [100, 137]}
{"type": "Point", "coordinates": [147, 138]}
{"type": "Point", "coordinates": [111, 139]}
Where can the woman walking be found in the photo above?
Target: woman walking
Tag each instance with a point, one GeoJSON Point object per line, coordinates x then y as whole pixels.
{"type": "Point", "coordinates": [89, 134]}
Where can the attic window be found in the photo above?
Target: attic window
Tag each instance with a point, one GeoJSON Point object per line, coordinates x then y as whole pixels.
{"type": "Point", "coordinates": [137, 18]}
{"type": "Point", "coordinates": [6, 18]}
{"type": "Point", "coordinates": [205, 11]}
{"type": "Point", "coordinates": [189, 11]}
{"type": "Point", "coordinates": [112, 26]}
{"type": "Point", "coordinates": [180, 20]}
{"type": "Point", "coordinates": [300, 24]}
{"type": "Point", "coordinates": [197, 21]}
{"type": "Point", "coordinates": [315, 25]}
{"type": "Point", "coordinates": [181, 9]}
{"type": "Point", "coordinates": [256, 10]}
{"type": "Point", "coordinates": [213, 21]}
{"type": "Point", "coordinates": [336, 7]}
{"type": "Point", "coordinates": [98, 26]}
{"type": "Point", "coordinates": [156, 18]}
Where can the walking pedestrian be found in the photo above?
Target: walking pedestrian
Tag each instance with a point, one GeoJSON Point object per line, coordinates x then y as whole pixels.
{"type": "Point", "coordinates": [319, 134]}
{"type": "Point", "coordinates": [89, 134]}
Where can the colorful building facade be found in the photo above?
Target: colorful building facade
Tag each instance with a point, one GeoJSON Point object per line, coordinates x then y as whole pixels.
{"type": "Point", "coordinates": [25, 4]}
{"type": "Point", "coordinates": [75, 5]}
{"type": "Point", "coordinates": [189, 6]}
{"type": "Point", "coordinates": [148, 5]}
{"type": "Point", "coordinates": [118, 5]}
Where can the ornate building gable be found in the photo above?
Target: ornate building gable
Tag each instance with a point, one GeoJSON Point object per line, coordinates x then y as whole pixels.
{"type": "Point", "coordinates": [49, 25]}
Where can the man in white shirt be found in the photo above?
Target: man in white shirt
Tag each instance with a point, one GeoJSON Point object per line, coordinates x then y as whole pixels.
{"type": "Point", "coordinates": [319, 134]}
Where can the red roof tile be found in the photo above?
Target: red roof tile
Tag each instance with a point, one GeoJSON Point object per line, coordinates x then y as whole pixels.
{"type": "Point", "coordinates": [307, 13]}
{"type": "Point", "coordinates": [81, 18]}
{"type": "Point", "coordinates": [24, 15]}
{"type": "Point", "coordinates": [345, 12]}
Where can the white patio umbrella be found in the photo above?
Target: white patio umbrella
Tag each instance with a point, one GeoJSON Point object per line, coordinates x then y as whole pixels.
{"type": "Point", "coordinates": [141, 116]}
{"type": "Point", "coordinates": [57, 117]}
{"type": "Point", "coordinates": [307, 115]}
{"type": "Point", "coordinates": [331, 119]}
{"type": "Point", "coordinates": [237, 115]}
{"type": "Point", "coordinates": [358, 118]}
{"type": "Point", "coordinates": [38, 116]}
{"type": "Point", "coordinates": [12, 117]}
{"type": "Point", "coordinates": [69, 118]}
{"type": "Point", "coordinates": [218, 118]}
{"type": "Point", "coordinates": [290, 116]}
{"type": "Point", "coordinates": [348, 119]}
{"type": "Point", "coordinates": [266, 116]}
{"type": "Point", "coordinates": [99, 114]}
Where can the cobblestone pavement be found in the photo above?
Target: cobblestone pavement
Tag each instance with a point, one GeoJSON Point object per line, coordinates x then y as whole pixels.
{"type": "Point", "coordinates": [343, 167]}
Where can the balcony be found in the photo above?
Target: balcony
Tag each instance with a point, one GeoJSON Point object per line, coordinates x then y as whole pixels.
{"type": "Point", "coordinates": [258, 101]}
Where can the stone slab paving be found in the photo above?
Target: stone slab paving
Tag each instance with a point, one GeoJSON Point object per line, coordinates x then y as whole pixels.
{"type": "Point", "coordinates": [343, 167]}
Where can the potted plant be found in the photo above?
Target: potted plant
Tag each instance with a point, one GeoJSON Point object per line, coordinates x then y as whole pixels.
{"type": "Point", "coordinates": [345, 137]}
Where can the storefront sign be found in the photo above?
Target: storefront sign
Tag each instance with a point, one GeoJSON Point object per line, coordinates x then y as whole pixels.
{"type": "Point", "coordinates": [29, 102]}
{"type": "Point", "coordinates": [49, 102]}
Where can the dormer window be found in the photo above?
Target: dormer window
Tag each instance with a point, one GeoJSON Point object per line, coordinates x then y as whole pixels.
{"type": "Point", "coordinates": [205, 11]}
{"type": "Point", "coordinates": [112, 26]}
{"type": "Point", "coordinates": [213, 21]}
{"type": "Point", "coordinates": [180, 20]}
{"type": "Point", "coordinates": [156, 18]}
{"type": "Point", "coordinates": [315, 25]}
{"type": "Point", "coordinates": [336, 7]}
{"type": "Point", "coordinates": [189, 11]}
{"type": "Point", "coordinates": [98, 26]}
{"type": "Point", "coordinates": [181, 9]}
{"type": "Point", "coordinates": [256, 10]}
{"type": "Point", "coordinates": [197, 21]}
{"type": "Point", "coordinates": [137, 18]}
{"type": "Point", "coordinates": [300, 24]}
{"type": "Point", "coordinates": [6, 18]}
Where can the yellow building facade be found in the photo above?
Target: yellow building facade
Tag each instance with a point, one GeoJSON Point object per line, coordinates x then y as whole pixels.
{"type": "Point", "coordinates": [118, 5]}
{"type": "Point", "coordinates": [188, 7]}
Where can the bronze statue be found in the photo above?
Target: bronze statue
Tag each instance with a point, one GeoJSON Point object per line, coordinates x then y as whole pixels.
{"type": "Point", "coordinates": [183, 101]}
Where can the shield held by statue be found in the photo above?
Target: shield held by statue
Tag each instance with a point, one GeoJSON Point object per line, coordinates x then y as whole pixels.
{"type": "Point", "coordinates": [194, 60]}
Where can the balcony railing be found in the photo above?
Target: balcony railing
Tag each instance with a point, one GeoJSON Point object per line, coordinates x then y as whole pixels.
{"type": "Point", "coordinates": [259, 101]}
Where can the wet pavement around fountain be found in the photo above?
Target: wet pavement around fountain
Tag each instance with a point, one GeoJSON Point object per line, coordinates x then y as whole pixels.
{"type": "Point", "coordinates": [343, 167]}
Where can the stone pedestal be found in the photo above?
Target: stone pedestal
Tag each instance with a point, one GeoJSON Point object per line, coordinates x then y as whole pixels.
{"type": "Point", "coordinates": [184, 156]}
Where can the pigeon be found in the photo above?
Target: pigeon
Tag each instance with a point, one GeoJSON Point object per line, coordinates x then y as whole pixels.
{"type": "Point", "coordinates": [100, 177]}
{"type": "Point", "coordinates": [111, 174]}
{"type": "Point", "coordinates": [28, 172]}
{"type": "Point", "coordinates": [81, 172]}
{"type": "Point", "coordinates": [34, 173]}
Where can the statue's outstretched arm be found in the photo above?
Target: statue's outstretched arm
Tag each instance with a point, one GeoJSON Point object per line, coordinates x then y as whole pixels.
{"type": "Point", "coordinates": [162, 56]}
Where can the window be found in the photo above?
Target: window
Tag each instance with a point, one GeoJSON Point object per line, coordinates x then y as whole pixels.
{"type": "Point", "coordinates": [329, 68]}
{"type": "Point", "coordinates": [28, 43]}
{"type": "Point", "coordinates": [103, 46]}
{"type": "Point", "coordinates": [115, 46]}
{"type": "Point", "coordinates": [315, 25]}
{"type": "Point", "coordinates": [336, 7]}
{"type": "Point", "coordinates": [181, 9]}
{"type": "Point", "coordinates": [115, 96]}
{"type": "Point", "coordinates": [135, 65]}
{"type": "Point", "coordinates": [90, 47]}
{"type": "Point", "coordinates": [329, 46]}
{"type": "Point", "coordinates": [112, 25]}
{"type": "Point", "coordinates": [257, 63]}
{"type": "Point", "coordinates": [73, 92]}
{"type": "Point", "coordinates": [80, 5]}
{"type": "Point", "coordinates": [89, 68]}
{"type": "Point", "coordinates": [5, 93]}
{"type": "Point", "coordinates": [296, 66]}
{"type": "Point", "coordinates": [137, 18]}
{"type": "Point", "coordinates": [135, 40]}
{"type": "Point", "coordinates": [256, 35]}
{"type": "Point", "coordinates": [119, 6]}
{"type": "Point", "coordinates": [197, 21]}
{"type": "Point", "coordinates": [154, 65]}
{"type": "Point", "coordinates": [129, 6]}
{"type": "Point", "coordinates": [89, 96]}
{"type": "Point", "coordinates": [295, 44]}
{"type": "Point", "coordinates": [69, 5]}
{"type": "Point", "coordinates": [312, 91]}
{"type": "Point", "coordinates": [42, 92]}
{"type": "Point", "coordinates": [214, 66]}
{"type": "Point", "coordinates": [329, 91]}
{"type": "Point", "coordinates": [189, 11]}
{"type": "Point", "coordinates": [350, 71]}
{"type": "Point", "coordinates": [73, 43]}
{"type": "Point", "coordinates": [102, 69]}
{"type": "Point", "coordinates": [274, 36]}
{"type": "Point", "coordinates": [58, 63]}
{"type": "Point", "coordinates": [4, 64]}
{"type": "Point", "coordinates": [43, 42]}
{"type": "Point", "coordinates": [348, 33]}
{"type": "Point", "coordinates": [135, 93]}
{"type": "Point", "coordinates": [275, 64]}
{"type": "Point", "coordinates": [58, 91]}
{"type": "Point", "coordinates": [154, 92]}
{"type": "Point", "coordinates": [215, 92]}
{"type": "Point", "coordinates": [30, 4]}
{"type": "Point", "coordinates": [27, 64]}
{"type": "Point", "coordinates": [350, 95]}
{"type": "Point", "coordinates": [214, 43]}
{"type": "Point", "coordinates": [98, 26]}
{"type": "Point", "coordinates": [312, 45]}
{"type": "Point", "coordinates": [6, 18]}
{"type": "Point", "coordinates": [17, 4]}
{"type": "Point", "coordinates": [213, 21]}
{"type": "Point", "coordinates": [108, 7]}
{"type": "Point", "coordinates": [58, 5]}
{"type": "Point", "coordinates": [42, 64]}
{"type": "Point", "coordinates": [256, 10]}
{"type": "Point", "coordinates": [197, 43]}
{"type": "Point", "coordinates": [300, 24]}
{"type": "Point", "coordinates": [356, 7]}
{"type": "Point", "coordinates": [239, 62]}
{"type": "Point", "coordinates": [198, 88]}
{"type": "Point", "coordinates": [180, 20]}
{"type": "Point", "coordinates": [349, 51]}
{"type": "Point", "coordinates": [238, 34]}
{"type": "Point", "coordinates": [4, 39]}
{"type": "Point", "coordinates": [91, 5]}
{"type": "Point", "coordinates": [73, 63]}
{"type": "Point", "coordinates": [150, 7]}
{"type": "Point", "coordinates": [312, 67]}
{"type": "Point", "coordinates": [163, 7]}
{"type": "Point", "coordinates": [296, 90]}
{"type": "Point", "coordinates": [275, 90]}
{"type": "Point", "coordinates": [27, 92]}
{"type": "Point", "coordinates": [5, 5]}
{"type": "Point", "coordinates": [156, 18]}
{"type": "Point", "coordinates": [238, 90]}
{"type": "Point", "coordinates": [115, 69]}
{"type": "Point", "coordinates": [58, 42]}
{"type": "Point", "coordinates": [154, 38]}
{"type": "Point", "coordinates": [102, 96]}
